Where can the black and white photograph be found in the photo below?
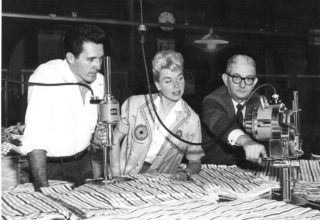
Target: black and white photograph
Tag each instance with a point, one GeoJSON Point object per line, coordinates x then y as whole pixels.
{"type": "Point", "coordinates": [160, 109]}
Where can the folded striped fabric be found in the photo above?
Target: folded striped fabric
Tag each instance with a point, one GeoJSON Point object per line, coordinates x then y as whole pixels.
{"type": "Point", "coordinates": [56, 185]}
{"type": "Point", "coordinates": [310, 170]}
{"type": "Point", "coordinates": [305, 170]}
{"type": "Point", "coordinates": [158, 196]}
{"type": "Point", "coordinates": [22, 202]}
{"type": "Point", "coordinates": [152, 189]}
{"type": "Point", "coordinates": [308, 186]}
{"type": "Point", "coordinates": [232, 182]}
{"type": "Point", "coordinates": [274, 173]}
{"type": "Point", "coordinates": [199, 209]}
{"type": "Point", "coordinates": [93, 200]}
{"type": "Point", "coordinates": [308, 190]}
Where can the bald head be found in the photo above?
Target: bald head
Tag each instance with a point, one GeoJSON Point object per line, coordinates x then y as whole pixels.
{"type": "Point", "coordinates": [240, 59]}
{"type": "Point", "coordinates": [240, 68]}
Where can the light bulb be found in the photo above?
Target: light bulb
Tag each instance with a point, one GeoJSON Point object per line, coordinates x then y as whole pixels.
{"type": "Point", "coordinates": [211, 46]}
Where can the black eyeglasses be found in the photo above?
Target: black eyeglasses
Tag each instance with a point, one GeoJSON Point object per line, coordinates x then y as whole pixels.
{"type": "Point", "coordinates": [237, 79]}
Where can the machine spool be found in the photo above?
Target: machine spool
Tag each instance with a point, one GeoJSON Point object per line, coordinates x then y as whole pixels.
{"type": "Point", "coordinates": [109, 110]}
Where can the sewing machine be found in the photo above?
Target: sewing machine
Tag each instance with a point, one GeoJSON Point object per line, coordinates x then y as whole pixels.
{"type": "Point", "coordinates": [280, 126]}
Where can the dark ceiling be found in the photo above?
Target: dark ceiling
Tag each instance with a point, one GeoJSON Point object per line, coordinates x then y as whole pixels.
{"type": "Point", "coordinates": [268, 15]}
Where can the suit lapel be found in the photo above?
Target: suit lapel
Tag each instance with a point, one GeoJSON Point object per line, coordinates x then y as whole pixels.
{"type": "Point", "coordinates": [228, 103]}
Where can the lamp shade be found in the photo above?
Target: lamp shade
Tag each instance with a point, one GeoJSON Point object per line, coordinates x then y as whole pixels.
{"type": "Point", "coordinates": [211, 42]}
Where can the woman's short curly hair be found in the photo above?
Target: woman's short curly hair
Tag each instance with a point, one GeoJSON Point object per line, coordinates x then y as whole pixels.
{"type": "Point", "coordinates": [166, 60]}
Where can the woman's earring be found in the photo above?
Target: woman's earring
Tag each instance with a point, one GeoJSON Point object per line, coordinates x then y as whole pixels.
{"type": "Point", "coordinates": [160, 92]}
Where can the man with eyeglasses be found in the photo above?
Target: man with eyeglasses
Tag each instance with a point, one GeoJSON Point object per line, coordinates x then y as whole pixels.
{"type": "Point", "coordinates": [231, 144]}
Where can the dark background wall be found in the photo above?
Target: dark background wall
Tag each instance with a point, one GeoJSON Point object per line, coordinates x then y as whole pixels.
{"type": "Point", "coordinates": [282, 36]}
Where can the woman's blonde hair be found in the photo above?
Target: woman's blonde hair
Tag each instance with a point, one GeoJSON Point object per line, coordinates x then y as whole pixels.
{"type": "Point", "coordinates": [166, 60]}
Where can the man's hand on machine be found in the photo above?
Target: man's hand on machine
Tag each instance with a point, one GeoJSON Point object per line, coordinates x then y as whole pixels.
{"type": "Point", "coordinates": [254, 151]}
{"type": "Point", "coordinates": [100, 136]}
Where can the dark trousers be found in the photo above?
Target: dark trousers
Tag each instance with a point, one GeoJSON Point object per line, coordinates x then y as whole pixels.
{"type": "Point", "coordinates": [75, 171]}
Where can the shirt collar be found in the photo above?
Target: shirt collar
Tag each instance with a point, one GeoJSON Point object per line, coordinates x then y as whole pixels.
{"type": "Point", "coordinates": [176, 108]}
{"type": "Point", "coordinates": [235, 105]}
{"type": "Point", "coordinates": [68, 74]}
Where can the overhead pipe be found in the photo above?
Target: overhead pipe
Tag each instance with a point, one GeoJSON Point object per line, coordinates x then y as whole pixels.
{"type": "Point", "coordinates": [54, 17]}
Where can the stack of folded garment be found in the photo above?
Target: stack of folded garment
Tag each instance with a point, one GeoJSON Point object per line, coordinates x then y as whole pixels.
{"type": "Point", "coordinates": [274, 172]}
{"type": "Point", "coordinates": [146, 189]}
{"type": "Point", "coordinates": [306, 170]}
{"type": "Point", "coordinates": [309, 185]}
{"type": "Point", "coordinates": [308, 190]}
{"type": "Point", "coordinates": [310, 170]}
{"type": "Point", "coordinates": [199, 209]}
{"type": "Point", "coordinates": [22, 202]}
{"type": "Point", "coordinates": [11, 138]}
{"type": "Point", "coordinates": [231, 182]}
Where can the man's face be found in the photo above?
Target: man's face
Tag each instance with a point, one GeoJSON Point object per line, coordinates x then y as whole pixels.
{"type": "Point", "coordinates": [88, 63]}
{"type": "Point", "coordinates": [171, 84]}
{"type": "Point", "coordinates": [239, 92]}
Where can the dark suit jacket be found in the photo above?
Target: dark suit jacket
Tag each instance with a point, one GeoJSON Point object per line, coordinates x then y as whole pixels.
{"type": "Point", "coordinates": [218, 113]}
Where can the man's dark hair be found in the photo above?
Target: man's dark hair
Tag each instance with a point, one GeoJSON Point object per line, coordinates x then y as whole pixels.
{"type": "Point", "coordinates": [76, 36]}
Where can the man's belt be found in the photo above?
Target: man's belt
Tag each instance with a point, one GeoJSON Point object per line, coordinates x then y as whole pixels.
{"type": "Point", "coordinates": [67, 159]}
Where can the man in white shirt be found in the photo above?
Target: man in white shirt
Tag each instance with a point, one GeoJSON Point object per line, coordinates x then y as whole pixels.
{"type": "Point", "coordinates": [60, 120]}
{"type": "Point", "coordinates": [220, 107]}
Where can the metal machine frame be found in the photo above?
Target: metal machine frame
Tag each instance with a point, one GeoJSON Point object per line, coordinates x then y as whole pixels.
{"type": "Point", "coordinates": [280, 126]}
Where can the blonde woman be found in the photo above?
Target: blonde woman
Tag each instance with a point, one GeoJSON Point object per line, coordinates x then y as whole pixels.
{"type": "Point", "coordinates": [145, 145]}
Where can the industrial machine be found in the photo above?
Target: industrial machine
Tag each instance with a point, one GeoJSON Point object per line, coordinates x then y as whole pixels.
{"type": "Point", "coordinates": [280, 126]}
{"type": "Point", "coordinates": [109, 113]}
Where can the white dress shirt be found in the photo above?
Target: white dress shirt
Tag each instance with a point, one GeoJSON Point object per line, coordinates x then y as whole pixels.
{"type": "Point", "coordinates": [235, 134]}
{"type": "Point", "coordinates": [57, 120]}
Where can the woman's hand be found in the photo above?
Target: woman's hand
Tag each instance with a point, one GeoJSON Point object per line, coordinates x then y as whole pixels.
{"type": "Point", "coordinates": [182, 175]}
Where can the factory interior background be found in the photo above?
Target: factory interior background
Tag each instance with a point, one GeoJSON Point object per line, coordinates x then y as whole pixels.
{"type": "Point", "coordinates": [283, 36]}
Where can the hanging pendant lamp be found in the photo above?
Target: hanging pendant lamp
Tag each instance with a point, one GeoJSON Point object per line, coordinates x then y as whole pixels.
{"type": "Point", "coordinates": [211, 42]}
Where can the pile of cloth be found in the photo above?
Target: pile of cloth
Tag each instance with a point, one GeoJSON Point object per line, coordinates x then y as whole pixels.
{"type": "Point", "coordinates": [92, 199]}
{"type": "Point", "coordinates": [11, 138]}
{"type": "Point", "coordinates": [22, 202]}
{"type": "Point", "coordinates": [12, 159]}
{"type": "Point", "coordinates": [155, 196]}
{"type": "Point", "coordinates": [232, 182]}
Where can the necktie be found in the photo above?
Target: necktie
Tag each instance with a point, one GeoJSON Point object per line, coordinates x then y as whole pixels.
{"type": "Point", "coordinates": [240, 116]}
